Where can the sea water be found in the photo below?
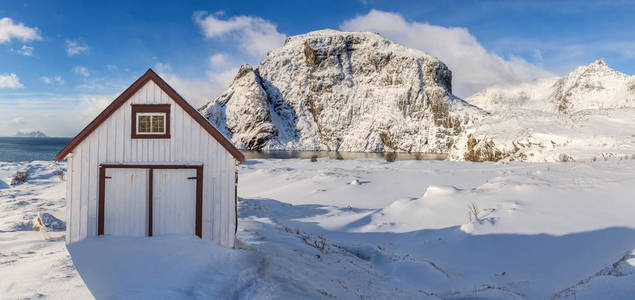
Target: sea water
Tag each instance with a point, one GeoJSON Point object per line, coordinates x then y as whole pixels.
{"type": "Point", "coordinates": [29, 148]}
{"type": "Point", "coordinates": [15, 149]}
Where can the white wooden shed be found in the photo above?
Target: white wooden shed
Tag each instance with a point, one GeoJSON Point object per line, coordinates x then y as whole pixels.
{"type": "Point", "coordinates": [150, 165]}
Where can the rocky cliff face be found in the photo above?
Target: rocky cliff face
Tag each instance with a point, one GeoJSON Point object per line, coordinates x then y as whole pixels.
{"type": "Point", "coordinates": [346, 91]}
{"type": "Point", "coordinates": [595, 86]}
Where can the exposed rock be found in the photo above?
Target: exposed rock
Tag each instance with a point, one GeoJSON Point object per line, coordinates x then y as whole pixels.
{"type": "Point", "coordinates": [480, 150]}
{"type": "Point", "coordinates": [48, 222]}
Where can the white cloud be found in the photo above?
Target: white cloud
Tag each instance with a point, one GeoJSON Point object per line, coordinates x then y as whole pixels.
{"type": "Point", "coordinates": [91, 106]}
{"type": "Point", "coordinates": [112, 68]}
{"type": "Point", "coordinates": [219, 59]}
{"type": "Point", "coordinates": [75, 47]}
{"type": "Point", "coordinates": [10, 81]}
{"type": "Point", "coordinates": [256, 36]}
{"type": "Point", "coordinates": [473, 67]}
{"type": "Point", "coordinates": [54, 79]}
{"type": "Point", "coordinates": [223, 78]}
{"type": "Point", "coordinates": [17, 121]}
{"type": "Point", "coordinates": [81, 71]}
{"type": "Point", "coordinates": [196, 91]}
{"type": "Point", "coordinates": [25, 50]}
{"type": "Point", "coordinates": [163, 67]}
{"type": "Point", "coordinates": [57, 114]}
{"type": "Point", "coordinates": [10, 30]}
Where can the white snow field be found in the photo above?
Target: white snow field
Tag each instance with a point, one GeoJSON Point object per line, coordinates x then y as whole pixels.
{"type": "Point", "coordinates": [352, 229]}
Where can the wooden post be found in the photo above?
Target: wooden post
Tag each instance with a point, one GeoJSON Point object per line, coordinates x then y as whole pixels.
{"type": "Point", "coordinates": [150, 179]}
{"type": "Point", "coordinates": [199, 202]}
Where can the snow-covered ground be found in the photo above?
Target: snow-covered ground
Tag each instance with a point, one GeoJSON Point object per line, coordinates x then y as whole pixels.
{"type": "Point", "coordinates": [350, 229]}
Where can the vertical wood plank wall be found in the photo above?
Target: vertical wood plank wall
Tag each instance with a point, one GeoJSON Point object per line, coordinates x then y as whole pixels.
{"type": "Point", "coordinates": [189, 142]}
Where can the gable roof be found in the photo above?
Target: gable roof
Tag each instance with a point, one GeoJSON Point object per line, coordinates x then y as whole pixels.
{"type": "Point", "coordinates": [150, 75]}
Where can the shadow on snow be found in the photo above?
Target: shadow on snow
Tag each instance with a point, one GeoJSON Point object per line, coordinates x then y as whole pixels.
{"type": "Point", "coordinates": [507, 262]}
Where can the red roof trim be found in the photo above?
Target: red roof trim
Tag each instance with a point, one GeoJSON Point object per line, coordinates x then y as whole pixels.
{"type": "Point", "coordinates": [138, 84]}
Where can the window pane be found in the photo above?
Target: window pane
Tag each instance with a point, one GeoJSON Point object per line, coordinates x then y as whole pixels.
{"type": "Point", "coordinates": [144, 123]}
{"type": "Point", "coordinates": [157, 123]}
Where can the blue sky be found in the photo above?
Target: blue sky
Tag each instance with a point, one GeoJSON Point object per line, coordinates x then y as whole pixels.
{"type": "Point", "coordinates": [61, 62]}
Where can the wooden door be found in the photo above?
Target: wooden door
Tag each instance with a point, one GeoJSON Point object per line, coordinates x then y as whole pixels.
{"type": "Point", "coordinates": [174, 201]}
{"type": "Point", "coordinates": [126, 202]}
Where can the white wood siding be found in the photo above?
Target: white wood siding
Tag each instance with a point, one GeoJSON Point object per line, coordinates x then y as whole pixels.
{"type": "Point", "coordinates": [173, 201]}
{"type": "Point", "coordinates": [189, 142]}
{"type": "Point", "coordinates": [126, 198]}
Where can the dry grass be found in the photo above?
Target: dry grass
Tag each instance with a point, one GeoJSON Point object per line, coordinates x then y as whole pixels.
{"type": "Point", "coordinates": [391, 156]}
{"type": "Point", "coordinates": [563, 157]}
{"type": "Point", "coordinates": [20, 177]}
{"type": "Point", "coordinates": [473, 212]}
{"type": "Point", "coordinates": [60, 174]}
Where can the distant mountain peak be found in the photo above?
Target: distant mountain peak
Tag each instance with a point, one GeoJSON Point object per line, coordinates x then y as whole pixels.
{"type": "Point", "coordinates": [599, 62]}
{"type": "Point", "coordinates": [598, 66]}
{"type": "Point", "coordinates": [34, 133]}
{"type": "Point", "coordinates": [591, 86]}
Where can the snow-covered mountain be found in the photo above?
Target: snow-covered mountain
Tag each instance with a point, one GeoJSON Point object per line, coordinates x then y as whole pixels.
{"type": "Point", "coordinates": [587, 114]}
{"type": "Point", "coordinates": [595, 86]}
{"type": "Point", "coordinates": [347, 91]}
{"type": "Point", "coordinates": [356, 91]}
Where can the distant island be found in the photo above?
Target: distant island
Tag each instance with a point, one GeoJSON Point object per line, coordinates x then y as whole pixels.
{"type": "Point", "coordinates": [30, 134]}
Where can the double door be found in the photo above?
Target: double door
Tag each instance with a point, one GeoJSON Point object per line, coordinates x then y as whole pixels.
{"type": "Point", "coordinates": [150, 200]}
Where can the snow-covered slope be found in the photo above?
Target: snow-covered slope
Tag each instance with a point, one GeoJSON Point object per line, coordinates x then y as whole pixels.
{"type": "Point", "coordinates": [588, 114]}
{"type": "Point", "coordinates": [347, 91]}
{"type": "Point", "coordinates": [595, 86]}
{"type": "Point", "coordinates": [529, 95]}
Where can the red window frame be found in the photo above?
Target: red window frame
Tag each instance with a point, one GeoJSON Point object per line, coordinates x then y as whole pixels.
{"type": "Point", "coordinates": [150, 108]}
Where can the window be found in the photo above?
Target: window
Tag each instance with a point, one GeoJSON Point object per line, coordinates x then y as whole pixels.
{"type": "Point", "coordinates": [150, 121]}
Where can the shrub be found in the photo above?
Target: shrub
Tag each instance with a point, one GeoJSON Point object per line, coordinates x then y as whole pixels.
{"type": "Point", "coordinates": [20, 177]}
{"type": "Point", "coordinates": [563, 157]}
{"type": "Point", "coordinates": [314, 158]}
{"type": "Point", "coordinates": [339, 156]}
{"type": "Point", "coordinates": [60, 174]}
{"type": "Point", "coordinates": [473, 212]}
{"type": "Point", "coordinates": [418, 156]}
{"type": "Point", "coordinates": [391, 156]}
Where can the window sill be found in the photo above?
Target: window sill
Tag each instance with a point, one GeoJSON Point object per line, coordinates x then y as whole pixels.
{"type": "Point", "coordinates": [150, 136]}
